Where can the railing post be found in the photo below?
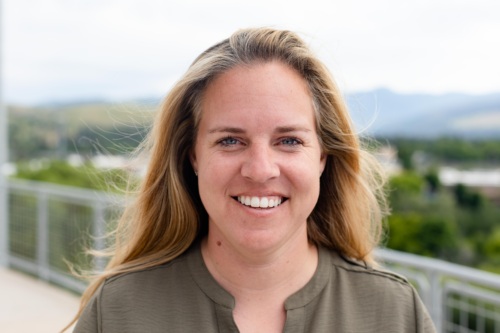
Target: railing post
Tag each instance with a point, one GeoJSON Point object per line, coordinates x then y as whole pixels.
{"type": "Point", "coordinates": [4, 221]}
{"type": "Point", "coordinates": [436, 298]}
{"type": "Point", "coordinates": [43, 236]}
{"type": "Point", "coordinates": [4, 157]}
{"type": "Point", "coordinates": [98, 233]}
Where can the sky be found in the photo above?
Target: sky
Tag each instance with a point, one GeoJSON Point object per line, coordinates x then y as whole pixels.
{"type": "Point", "coordinates": [118, 50]}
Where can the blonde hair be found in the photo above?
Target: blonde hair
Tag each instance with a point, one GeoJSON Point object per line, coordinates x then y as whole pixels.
{"type": "Point", "coordinates": [167, 215]}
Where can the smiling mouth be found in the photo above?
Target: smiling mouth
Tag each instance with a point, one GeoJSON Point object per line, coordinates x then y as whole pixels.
{"type": "Point", "coordinates": [260, 202]}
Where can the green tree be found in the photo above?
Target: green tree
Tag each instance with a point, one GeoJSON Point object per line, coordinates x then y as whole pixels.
{"type": "Point", "coordinates": [468, 198]}
{"type": "Point", "coordinates": [492, 244]}
{"type": "Point", "coordinates": [425, 235]}
{"type": "Point", "coordinates": [407, 183]}
{"type": "Point", "coordinates": [432, 180]}
{"type": "Point", "coordinates": [86, 176]}
{"type": "Point", "coordinates": [491, 250]}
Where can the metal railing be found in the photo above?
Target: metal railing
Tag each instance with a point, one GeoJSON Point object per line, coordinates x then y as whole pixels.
{"type": "Point", "coordinates": [459, 298]}
{"type": "Point", "coordinates": [50, 226]}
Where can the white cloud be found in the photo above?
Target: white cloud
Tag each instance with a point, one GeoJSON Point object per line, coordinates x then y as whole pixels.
{"type": "Point", "coordinates": [61, 49]}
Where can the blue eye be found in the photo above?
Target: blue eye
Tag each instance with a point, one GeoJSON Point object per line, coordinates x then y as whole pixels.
{"type": "Point", "coordinates": [290, 141]}
{"type": "Point", "coordinates": [228, 141]}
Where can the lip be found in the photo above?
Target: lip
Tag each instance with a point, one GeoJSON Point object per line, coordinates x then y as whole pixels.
{"type": "Point", "coordinates": [260, 194]}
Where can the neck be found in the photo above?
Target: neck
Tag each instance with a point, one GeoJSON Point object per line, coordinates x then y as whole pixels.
{"type": "Point", "coordinates": [282, 271]}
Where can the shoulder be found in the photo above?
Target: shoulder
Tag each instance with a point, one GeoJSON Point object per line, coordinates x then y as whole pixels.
{"type": "Point", "coordinates": [383, 299]}
{"type": "Point", "coordinates": [361, 270]}
{"type": "Point", "coordinates": [146, 300]}
{"type": "Point", "coordinates": [138, 298]}
{"type": "Point", "coordinates": [358, 280]}
{"type": "Point", "coordinates": [156, 272]}
{"type": "Point", "coordinates": [148, 283]}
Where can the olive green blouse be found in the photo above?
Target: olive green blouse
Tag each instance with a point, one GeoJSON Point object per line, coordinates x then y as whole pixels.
{"type": "Point", "coordinates": [182, 296]}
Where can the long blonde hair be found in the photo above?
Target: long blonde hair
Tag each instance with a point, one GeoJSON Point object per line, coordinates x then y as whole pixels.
{"type": "Point", "coordinates": [167, 215]}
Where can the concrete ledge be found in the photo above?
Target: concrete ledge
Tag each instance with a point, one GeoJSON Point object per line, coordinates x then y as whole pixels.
{"type": "Point", "coordinates": [31, 305]}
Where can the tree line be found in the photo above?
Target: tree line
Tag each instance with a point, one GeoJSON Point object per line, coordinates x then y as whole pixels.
{"type": "Point", "coordinates": [456, 224]}
{"type": "Point", "coordinates": [446, 150]}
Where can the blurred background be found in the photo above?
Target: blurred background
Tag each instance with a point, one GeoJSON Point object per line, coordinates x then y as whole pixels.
{"type": "Point", "coordinates": [82, 80]}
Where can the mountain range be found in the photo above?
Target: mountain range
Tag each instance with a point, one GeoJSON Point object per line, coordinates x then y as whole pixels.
{"type": "Point", "coordinates": [386, 113]}
{"type": "Point", "coordinates": [380, 112]}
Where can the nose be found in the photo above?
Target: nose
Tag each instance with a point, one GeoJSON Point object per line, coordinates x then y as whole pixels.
{"type": "Point", "coordinates": [260, 164]}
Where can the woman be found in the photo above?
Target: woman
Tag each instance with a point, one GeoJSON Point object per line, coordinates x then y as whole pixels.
{"type": "Point", "coordinates": [259, 211]}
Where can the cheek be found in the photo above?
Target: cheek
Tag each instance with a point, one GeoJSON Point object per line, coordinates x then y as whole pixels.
{"type": "Point", "coordinates": [305, 175]}
{"type": "Point", "coordinates": [308, 166]}
{"type": "Point", "coordinates": [215, 176]}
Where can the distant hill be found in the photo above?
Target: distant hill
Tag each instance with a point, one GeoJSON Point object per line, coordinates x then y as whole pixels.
{"type": "Point", "coordinates": [56, 129]}
{"type": "Point", "coordinates": [74, 116]}
{"type": "Point", "coordinates": [378, 112]}
{"type": "Point", "coordinates": [385, 113]}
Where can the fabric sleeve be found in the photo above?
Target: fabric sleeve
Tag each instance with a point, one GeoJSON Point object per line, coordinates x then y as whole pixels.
{"type": "Point", "coordinates": [89, 321]}
{"type": "Point", "coordinates": [423, 320]}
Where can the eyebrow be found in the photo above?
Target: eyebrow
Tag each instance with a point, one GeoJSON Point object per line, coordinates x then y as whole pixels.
{"type": "Point", "coordinates": [279, 129]}
{"type": "Point", "coordinates": [288, 129]}
{"type": "Point", "coordinates": [234, 130]}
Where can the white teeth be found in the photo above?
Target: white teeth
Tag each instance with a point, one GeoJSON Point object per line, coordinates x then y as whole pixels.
{"type": "Point", "coordinates": [264, 202]}
{"type": "Point", "coordinates": [260, 202]}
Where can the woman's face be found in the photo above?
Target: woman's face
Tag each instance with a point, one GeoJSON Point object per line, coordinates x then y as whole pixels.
{"type": "Point", "coordinates": [258, 157]}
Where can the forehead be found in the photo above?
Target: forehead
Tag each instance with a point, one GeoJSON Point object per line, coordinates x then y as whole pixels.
{"type": "Point", "coordinates": [269, 89]}
{"type": "Point", "coordinates": [272, 76]}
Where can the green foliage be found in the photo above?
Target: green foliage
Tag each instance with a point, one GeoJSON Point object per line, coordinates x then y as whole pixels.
{"type": "Point", "coordinates": [447, 150]}
{"type": "Point", "coordinates": [456, 224]}
{"type": "Point", "coordinates": [450, 224]}
{"type": "Point", "coordinates": [424, 235]}
{"type": "Point", "coordinates": [477, 221]}
{"type": "Point", "coordinates": [432, 180]}
{"type": "Point", "coordinates": [420, 223]}
{"type": "Point", "coordinates": [491, 250]}
{"type": "Point", "coordinates": [405, 153]}
{"type": "Point", "coordinates": [86, 176]}
{"type": "Point", "coordinates": [467, 198]}
{"type": "Point", "coordinates": [492, 244]}
{"type": "Point", "coordinates": [407, 183]}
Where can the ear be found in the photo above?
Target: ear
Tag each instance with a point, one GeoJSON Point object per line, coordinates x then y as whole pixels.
{"type": "Point", "coordinates": [322, 163]}
{"type": "Point", "coordinates": [192, 159]}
